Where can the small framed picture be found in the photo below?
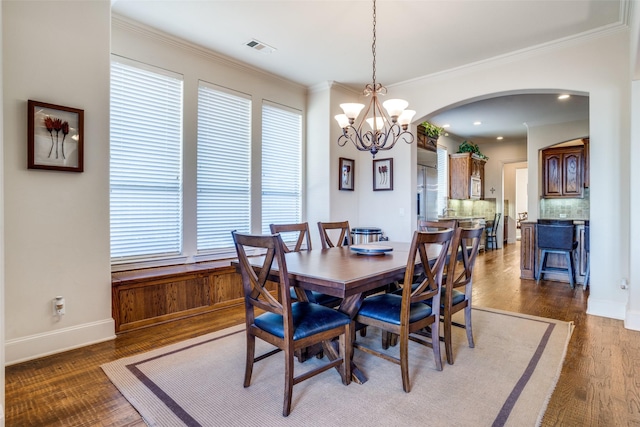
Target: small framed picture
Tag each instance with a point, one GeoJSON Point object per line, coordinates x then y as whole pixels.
{"type": "Point", "coordinates": [346, 174]}
{"type": "Point", "coordinates": [383, 174]}
{"type": "Point", "coordinates": [55, 137]}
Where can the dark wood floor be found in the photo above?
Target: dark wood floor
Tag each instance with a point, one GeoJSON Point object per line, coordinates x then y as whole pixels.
{"type": "Point", "coordinates": [599, 384]}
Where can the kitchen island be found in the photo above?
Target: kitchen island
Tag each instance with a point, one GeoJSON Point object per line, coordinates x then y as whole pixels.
{"type": "Point", "coordinates": [530, 255]}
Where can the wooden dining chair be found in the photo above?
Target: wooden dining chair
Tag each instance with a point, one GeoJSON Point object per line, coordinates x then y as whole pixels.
{"type": "Point", "coordinates": [287, 325]}
{"type": "Point", "coordinates": [457, 289]}
{"type": "Point", "coordinates": [408, 314]}
{"type": "Point", "coordinates": [299, 233]}
{"type": "Point", "coordinates": [428, 225]}
{"type": "Point", "coordinates": [344, 238]}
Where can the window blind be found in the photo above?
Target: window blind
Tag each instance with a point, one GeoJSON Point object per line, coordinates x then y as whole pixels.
{"type": "Point", "coordinates": [146, 162]}
{"type": "Point", "coordinates": [224, 166]}
{"type": "Point", "coordinates": [281, 166]}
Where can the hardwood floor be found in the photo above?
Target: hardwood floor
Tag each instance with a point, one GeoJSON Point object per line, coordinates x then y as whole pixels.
{"type": "Point", "coordinates": [598, 385]}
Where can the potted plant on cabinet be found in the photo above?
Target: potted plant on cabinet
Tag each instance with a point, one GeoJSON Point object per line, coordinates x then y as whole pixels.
{"type": "Point", "coordinates": [428, 135]}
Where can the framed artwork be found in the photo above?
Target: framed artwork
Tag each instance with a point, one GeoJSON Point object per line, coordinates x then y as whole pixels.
{"type": "Point", "coordinates": [346, 174]}
{"type": "Point", "coordinates": [55, 136]}
{"type": "Point", "coordinates": [383, 174]}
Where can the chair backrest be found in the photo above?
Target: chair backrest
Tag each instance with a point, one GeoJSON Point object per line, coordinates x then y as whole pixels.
{"type": "Point", "coordinates": [558, 237]}
{"type": "Point", "coordinates": [493, 227]}
{"type": "Point", "coordinates": [293, 232]}
{"type": "Point", "coordinates": [255, 280]}
{"type": "Point", "coordinates": [423, 245]}
{"type": "Point", "coordinates": [344, 238]}
{"type": "Point", "coordinates": [426, 225]}
{"type": "Point", "coordinates": [464, 251]}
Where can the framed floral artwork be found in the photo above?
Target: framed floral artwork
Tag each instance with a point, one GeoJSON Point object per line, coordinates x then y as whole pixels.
{"type": "Point", "coordinates": [382, 174]}
{"type": "Point", "coordinates": [55, 137]}
{"type": "Point", "coordinates": [346, 174]}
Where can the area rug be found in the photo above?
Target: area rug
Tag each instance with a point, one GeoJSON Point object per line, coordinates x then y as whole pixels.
{"type": "Point", "coordinates": [507, 379]}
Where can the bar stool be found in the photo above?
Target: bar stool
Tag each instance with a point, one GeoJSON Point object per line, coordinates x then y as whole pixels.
{"type": "Point", "coordinates": [588, 257]}
{"type": "Point", "coordinates": [556, 238]}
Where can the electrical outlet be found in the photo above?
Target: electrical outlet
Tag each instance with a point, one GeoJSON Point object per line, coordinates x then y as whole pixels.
{"type": "Point", "coordinates": [59, 307]}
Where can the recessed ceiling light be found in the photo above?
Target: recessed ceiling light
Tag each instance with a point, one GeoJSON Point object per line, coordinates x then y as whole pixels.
{"type": "Point", "coordinates": [500, 138]}
{"type": "Point", "coordinates": [564, 96]}
{"type": "Point", "coordinates": [477, 123]}
{"type": "Point", "coordinates": [446, 126]}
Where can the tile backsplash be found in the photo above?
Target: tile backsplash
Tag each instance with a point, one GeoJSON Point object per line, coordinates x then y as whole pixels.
{"type": "Point", "coordinates": [484, 208]}
{"type": "Point", "coordinates": [565, 208]}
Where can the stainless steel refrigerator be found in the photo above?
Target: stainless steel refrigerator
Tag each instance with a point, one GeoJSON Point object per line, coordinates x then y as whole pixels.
{"type": "Point", "coordinates": [427, 201]}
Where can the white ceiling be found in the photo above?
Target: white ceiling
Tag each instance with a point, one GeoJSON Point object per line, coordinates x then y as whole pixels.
{"type": "Point", "coordinates": [330, 40]}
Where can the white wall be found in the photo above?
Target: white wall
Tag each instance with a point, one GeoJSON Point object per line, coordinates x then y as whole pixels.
{"type": "Point", "coordinates": [56, 223]}
{"type": "Point", "coordinates": [569, 66]}
{"type": "Point", "coordinates": [2, 322]}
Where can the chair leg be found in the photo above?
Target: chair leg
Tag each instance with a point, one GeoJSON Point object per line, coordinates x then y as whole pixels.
{"type": "Point", "coordinates": [346, 350]}
{"type": "Point", "coordinates": [288, 381]}
{"type": "Point", "coordinates": [569, 256]}
{"type": "Point", "coordinates": [251, 350]}
{"type": "Point", "coordinates": [468, 324]}
{"type": "Point", "coordinates": [541, 265]}
{"type": "Point", "coordinates": [404, 360]}
{"type": "Point", "coordinates": [586, 274]}
{"type": "Point", "coordinates": [435, 343]}
{"type": "Point", "coordinates": [447, 337]}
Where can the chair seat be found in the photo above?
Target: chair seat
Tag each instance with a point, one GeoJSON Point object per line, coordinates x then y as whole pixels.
{"type": "Point", "coordinates": [308, 319]}
{"type": "Point", "coordinates": [319, 298]}
{"type": "Point", "coordinates": [386, 308]}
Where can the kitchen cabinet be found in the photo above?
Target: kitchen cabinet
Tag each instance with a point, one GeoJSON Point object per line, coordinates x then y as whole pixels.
{"type": "Point", "coordinates": [563, 172]}
{"type": "Point", "coordinates": [466, 176]}
{"type": "Point", "coordinates": [426, 142]}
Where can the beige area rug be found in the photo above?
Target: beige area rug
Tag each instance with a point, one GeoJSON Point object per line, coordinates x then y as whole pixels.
{"type": "Point", "coordinates": [506, 379]}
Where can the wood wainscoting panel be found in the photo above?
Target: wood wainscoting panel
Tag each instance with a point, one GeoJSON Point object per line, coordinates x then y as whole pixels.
{"type": "Point", "coordinates": [146, 297]}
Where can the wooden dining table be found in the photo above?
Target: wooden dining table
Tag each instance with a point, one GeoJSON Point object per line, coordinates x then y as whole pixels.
{"type": "Point", "coordinates": [343, 273]}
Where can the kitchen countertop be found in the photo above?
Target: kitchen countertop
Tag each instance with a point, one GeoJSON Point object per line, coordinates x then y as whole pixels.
{"type": "Point", "coordinates": [575, 221]}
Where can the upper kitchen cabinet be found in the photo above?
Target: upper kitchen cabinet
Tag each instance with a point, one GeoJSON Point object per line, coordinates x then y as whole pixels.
{"type": "Point", "coordinates": [563, 172]}
{"type": "Point", "coordinates": [466, 176]}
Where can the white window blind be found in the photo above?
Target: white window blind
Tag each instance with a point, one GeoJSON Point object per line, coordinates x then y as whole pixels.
{"type": "Point", "coordinates": [443, 178]}
{"type": "Point", "coordinates": [146, 162]}
{"type": "Point", "coordinates": [281, 166]}
{"type": "Point", "coordinates": [224, 166]}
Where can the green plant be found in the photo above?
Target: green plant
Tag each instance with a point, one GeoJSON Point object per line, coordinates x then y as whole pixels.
{"type": "Point", "coordinates": [469, 147]}
{"type": "Point", "coordinates": [432, 131]}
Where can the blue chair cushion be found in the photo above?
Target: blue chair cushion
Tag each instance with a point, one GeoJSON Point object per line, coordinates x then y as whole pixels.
{"type": "Point", "coordinates": [386, 307]}
{"type": "Point", "coordinates": [308, 319]}
{"type": "Point", "coordinates": [458, 297]}
{"type": "Point", "coordinates": [319, 298]}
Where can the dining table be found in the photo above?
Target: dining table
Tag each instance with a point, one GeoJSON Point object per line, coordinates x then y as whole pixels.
{"type": "Point", "coordinates": [349, 274]}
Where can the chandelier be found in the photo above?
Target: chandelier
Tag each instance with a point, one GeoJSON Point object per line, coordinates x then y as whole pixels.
{"type": "Point", "coordinates": [384, 129]}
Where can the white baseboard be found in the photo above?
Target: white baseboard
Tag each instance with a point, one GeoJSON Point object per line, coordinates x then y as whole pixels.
{"type": "Point", "coordinates": [632, 320]}
{"type": "Point", "coordinates": [39, 345]}
{"type": "Point", "coordinates": [606, 308]}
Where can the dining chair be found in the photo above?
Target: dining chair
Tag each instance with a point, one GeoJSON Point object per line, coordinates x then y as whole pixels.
{"type": "Point", "coordinates": [287, 325]}
{"type": "Point", "coordinates": [492, 230]}
{"type": "Point", "coordinates": [299, 232]}
{"type": "Point", "coordinates": [428, 225]}
{"type": "Point", "coordinates": [344, 238]}
{"type": "Point", "coordinates": [457, 288]}
{"type": "Point", "coordinates": [407, 314]}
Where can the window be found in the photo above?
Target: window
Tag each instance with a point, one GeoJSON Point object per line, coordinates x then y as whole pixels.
{"type": "Point", "coordinates": [224, 166]}
{"type": "Point", "coordinates": [146, 161]}
{"type": "Point", "coordinates": [281, 166]}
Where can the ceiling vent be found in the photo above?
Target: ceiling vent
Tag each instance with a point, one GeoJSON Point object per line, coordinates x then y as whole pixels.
{"type": "Point", "coordinates": [259, 46]}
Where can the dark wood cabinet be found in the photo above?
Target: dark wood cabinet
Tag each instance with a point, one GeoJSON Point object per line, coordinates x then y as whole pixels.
{"type": "Point", "coordinates": [426, 142]}
{"type": "Point", "coordinates": [466, 176]}
{"type": "Point", "coordinates": [563, 172]}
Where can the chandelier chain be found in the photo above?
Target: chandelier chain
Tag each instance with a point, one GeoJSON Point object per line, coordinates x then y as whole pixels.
{"type": "Point", "coordinates": [373, 45]}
